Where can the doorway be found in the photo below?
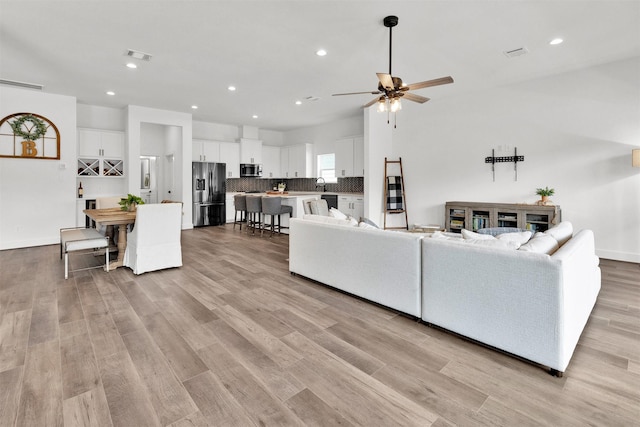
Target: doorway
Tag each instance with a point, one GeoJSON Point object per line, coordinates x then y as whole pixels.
{"type": "Point", "coordinates": [149, 178]}
{"type": "Point", "coordinates": [168, 191]}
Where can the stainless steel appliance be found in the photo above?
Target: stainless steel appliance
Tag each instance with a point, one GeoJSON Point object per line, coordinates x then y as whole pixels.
{"type": "Point", "coordinates": [209, 191]}
{"type": "Point", "coordinates": [250, 169]}
{"type": "Point", "coordinates": [332, 200]}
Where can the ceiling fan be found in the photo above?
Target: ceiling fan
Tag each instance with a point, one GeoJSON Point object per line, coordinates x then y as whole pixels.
{"type": "Point", "coordinates": [392, 89]}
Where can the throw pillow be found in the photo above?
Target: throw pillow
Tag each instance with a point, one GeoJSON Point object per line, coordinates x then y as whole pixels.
{"type": "Point", "coordinates": [371, 223]}
{"type": "Point", "coordinates": [467, 234]}
{"type": "Point", "coordinates": [337, 214]}
{"type": "Point", "coordinates": [520, 237]}
{"type": "Point", "coordinates": [561, 232]}
{"type": "Point", "coordinates": [353, 221]}
{"type": "Point", "coordinates": [541, 243]}
{"type": "Point", "coordinates": [367, 226]}
{"type": "Point", "coordinates": [493, 243]}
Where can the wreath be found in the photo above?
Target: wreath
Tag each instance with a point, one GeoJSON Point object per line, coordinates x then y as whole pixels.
{"type": "Point", "coordinates": [38, 129]}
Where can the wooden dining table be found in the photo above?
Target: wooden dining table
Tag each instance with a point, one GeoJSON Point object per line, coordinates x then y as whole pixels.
{"type": "Point", "coordinates": [117, 218]}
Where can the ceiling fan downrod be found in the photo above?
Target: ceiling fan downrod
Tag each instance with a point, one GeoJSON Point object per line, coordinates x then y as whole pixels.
{"type": "Point", "coordinates": [390, 22]}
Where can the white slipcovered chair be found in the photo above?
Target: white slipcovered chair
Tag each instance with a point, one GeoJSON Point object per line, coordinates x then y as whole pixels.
{"type": "Point", "coordinates": [106, 203]}
{"type": "Point", "coordinates": [154, 242]}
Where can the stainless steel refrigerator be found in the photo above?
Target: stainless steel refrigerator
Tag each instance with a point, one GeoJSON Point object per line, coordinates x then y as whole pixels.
{"type": "Point", "coordinates": [209, 188]}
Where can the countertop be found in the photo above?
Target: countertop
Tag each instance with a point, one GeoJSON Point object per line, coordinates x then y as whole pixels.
{"type": "Point", "coordinates": [297, 194]}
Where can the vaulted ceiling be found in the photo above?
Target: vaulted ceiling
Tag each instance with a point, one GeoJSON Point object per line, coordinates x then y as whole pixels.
{"type": "Point", "coordinates": [267, 50]}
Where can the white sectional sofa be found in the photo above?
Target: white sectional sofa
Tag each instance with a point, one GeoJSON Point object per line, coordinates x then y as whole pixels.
{"type": "Point", "coordinates": [529, 304]}
{"type": "Point", "coordinates": [383, 267]}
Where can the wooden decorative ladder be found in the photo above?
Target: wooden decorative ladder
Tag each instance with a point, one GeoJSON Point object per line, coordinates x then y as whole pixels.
{"type": "Point", "coordinates": [394, 197]}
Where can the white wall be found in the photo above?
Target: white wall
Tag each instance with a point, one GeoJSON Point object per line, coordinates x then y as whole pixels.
{"type": "Point", "coordinates": [38, 197]}
{"type": "Point", "coordinates": [215, 131]}
{"type": "Point", "coordinates": [323, 137]}
{"type": "Point", "coordinates": [576, 131]}
{"type": "Point", "coordinates": [137, 115]}
{"type": "Point", "coordinates": [96, 117]}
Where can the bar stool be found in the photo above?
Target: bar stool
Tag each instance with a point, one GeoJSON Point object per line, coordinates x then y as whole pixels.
{"type": "Point", "coordinates": [254, 213]}
{"type": "Point", "coordinates": [273, 206]}
{"type": "Point", "coordinates": [240, 204]}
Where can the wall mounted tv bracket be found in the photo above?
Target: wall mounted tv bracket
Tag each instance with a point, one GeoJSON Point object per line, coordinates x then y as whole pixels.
{"type": "Point", "coordinates": [493, 160]}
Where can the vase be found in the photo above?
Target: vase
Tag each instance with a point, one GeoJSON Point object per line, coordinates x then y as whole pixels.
{"type": "Point", "coordinates": [544, 199]}
{"type": "Point", "coordinates": [132, 207]}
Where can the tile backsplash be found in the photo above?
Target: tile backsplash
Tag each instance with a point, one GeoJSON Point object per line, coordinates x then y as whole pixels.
{"type": "Point", "coordinates": [344, 185]}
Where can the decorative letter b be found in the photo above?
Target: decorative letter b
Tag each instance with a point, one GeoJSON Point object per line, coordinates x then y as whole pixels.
{"type": "Point", "coordinates": [29, 149]}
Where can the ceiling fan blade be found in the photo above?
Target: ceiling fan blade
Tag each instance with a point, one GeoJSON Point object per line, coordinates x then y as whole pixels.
{"type": "Point", "coordinates": [415, 98]}
{"type": "Point", "coordinates": [429, 83]}
{"type": "Point", "coordinates": [386, 81]}
{"type": "Point", "coordinates": [369, 104]}
{"type": "Point", "coordinates": [356, 93]}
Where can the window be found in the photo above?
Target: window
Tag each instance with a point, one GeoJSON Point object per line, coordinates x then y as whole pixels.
{"type": "Point", "coordinates": [327, 167]}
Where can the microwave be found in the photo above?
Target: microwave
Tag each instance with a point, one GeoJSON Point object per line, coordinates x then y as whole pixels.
{"type": "Point", "coordinates": [249, 169]}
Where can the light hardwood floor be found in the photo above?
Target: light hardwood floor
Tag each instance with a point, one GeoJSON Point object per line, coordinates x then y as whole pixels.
{"type": "Point", "coordinates": [232, 339]}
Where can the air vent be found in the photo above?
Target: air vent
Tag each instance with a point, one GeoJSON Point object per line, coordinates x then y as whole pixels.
{"type": "Point", "coordinates": [21, 84]}
{"type": "Point", "coordinates": [138, 55]}
{"type": "Point", "coordinates": [516, 52]}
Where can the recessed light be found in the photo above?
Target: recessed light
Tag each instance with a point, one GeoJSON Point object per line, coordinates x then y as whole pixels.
{"type": "Point", "coordinates": [321, 52]}
{"type": "Point", "coordinates": [195, 107]}
{"type": "Point", "coordinates": [231, 88]}
{"type": "Point", "coordinates": [556, 41]}
{"type": "Point", "coordinates": [131, 65]}
{"type": "Point", "coordinates": [110, 93]}
{"type": "Point", "coordinates": [298, 102]}
{"type": "Point", "coordinates": [255, 116]}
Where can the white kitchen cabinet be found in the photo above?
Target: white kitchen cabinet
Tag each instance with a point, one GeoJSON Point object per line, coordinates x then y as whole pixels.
{"type": "Point", "coordinates": [251, 151]}
{"type": "Point", "coordinates": [230, 154]}
{"type": "Point", "coordinates": [100, 143]}
{"type": "Point", "coordinates": [349, 157]}
{"type": "Point", "coordinates": [230, 207]}
{"type": "Point", "coordinates": [100, 153]}
{"type": "Point", "coordinates": [296, 161]}
{"type": "Point", "coordinates": [205, 151]}
{"type": "Point", "coordinates": [270, 162]}
{"type": "Point", "coordinates": [351, 205]}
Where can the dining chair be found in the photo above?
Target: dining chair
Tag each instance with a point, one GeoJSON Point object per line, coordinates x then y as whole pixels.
{"type": "Point", "coordinates": [154, 243]}
{"type": "Point", "coordinates": [106, 203]}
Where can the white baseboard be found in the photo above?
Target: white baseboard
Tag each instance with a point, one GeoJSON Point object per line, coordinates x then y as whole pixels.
{"type": "Point", "coordinates": [618, 256]}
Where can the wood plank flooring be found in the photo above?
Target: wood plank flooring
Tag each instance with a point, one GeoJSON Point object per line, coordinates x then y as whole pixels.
{"type": "Point", "coordinates": [232, 339]}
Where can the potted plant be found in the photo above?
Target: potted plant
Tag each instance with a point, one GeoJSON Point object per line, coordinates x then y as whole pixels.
{"type": "Point", "coordinates": [544, 194]}
{"type": "Point", "coordinates": [130, 202]}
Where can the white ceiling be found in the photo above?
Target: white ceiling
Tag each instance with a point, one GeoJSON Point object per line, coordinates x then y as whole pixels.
{"type": "Point", "coordinates": [267, 50]}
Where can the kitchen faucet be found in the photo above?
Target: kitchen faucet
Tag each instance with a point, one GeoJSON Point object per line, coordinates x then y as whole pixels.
{"type": "Point", "coordinates": [319, 184]}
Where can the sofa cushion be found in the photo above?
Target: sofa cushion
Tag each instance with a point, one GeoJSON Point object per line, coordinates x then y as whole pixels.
{"type": "Point", "coordinates": [541, 243]}
{"type": "Point", "coordinates": [319, 207]}
{"type": "Point", "coordinates": [561, 232]}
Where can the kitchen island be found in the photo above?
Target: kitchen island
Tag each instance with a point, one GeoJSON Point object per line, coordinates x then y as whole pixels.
{"type": "Point", "coordinates": [292, 198]}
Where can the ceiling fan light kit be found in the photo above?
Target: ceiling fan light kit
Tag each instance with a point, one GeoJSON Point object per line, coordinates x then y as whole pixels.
{"type": "Point", "coordinates": [391, 89]}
